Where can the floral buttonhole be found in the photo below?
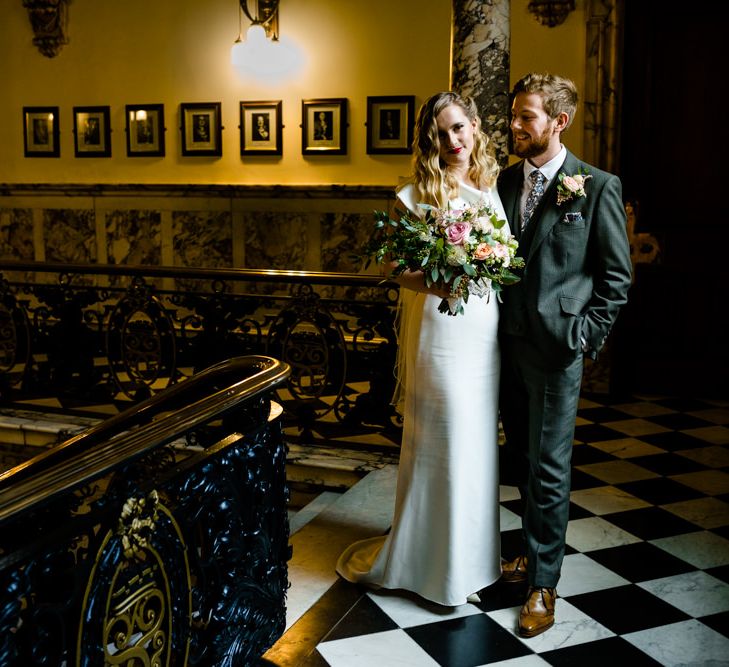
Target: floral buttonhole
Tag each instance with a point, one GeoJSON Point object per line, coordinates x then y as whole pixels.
{"type": "Point", "coordinates": [571, 187]}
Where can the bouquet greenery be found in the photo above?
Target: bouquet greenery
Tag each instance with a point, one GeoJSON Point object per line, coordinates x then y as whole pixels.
{"type": "Point", "coordinates": [465, 250]}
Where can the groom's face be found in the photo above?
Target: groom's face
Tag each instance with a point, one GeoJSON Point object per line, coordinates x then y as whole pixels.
{"type": "Point", "coordinates": [533, 130]}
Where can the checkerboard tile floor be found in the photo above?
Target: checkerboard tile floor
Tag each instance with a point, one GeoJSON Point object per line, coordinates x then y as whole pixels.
{"type": "Point", "coordinates": [645, 579]}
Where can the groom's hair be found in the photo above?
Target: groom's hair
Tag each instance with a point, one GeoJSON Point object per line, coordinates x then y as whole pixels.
{"type": "Point", "coordinates": [558, 93]}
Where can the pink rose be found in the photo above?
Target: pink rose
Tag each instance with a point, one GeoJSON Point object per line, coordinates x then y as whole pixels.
{"type": "Point", "coordinates": [571, 184]}
{"type": "Point", "coordinates": [501, 250]}
{"type": "Point", "coordinates": [483, 250]}
{"type": "Point", "coordinates": [458, 232]}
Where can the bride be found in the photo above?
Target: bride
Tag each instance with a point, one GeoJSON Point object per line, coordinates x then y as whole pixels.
{"type": "Point", "coordinates": [444, 542]}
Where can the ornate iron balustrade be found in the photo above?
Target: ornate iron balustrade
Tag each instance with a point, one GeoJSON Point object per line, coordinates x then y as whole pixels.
{"type": "Point", "coordinates": [158, 537]}
{"type": "Point", "coordinates": [128, 331]}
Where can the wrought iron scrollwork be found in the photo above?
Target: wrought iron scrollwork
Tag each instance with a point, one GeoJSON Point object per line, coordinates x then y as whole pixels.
{"type": "Point", "coordinates": [307, 337]}
{"type": "Point", "coordinates": [140, 342]}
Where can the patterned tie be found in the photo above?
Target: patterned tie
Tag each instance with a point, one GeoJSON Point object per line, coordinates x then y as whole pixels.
{"type": "Point", "coordinates": [535, 194]}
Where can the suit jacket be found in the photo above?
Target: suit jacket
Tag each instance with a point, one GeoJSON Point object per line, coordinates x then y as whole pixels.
{"type": "Point", "coordinates": [578, 268]}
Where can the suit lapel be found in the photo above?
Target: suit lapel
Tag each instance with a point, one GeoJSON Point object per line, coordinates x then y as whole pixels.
{"type": "Point", "coordinates": [547, 213]}
{"type": "Point", "coordinates": [510, 192]}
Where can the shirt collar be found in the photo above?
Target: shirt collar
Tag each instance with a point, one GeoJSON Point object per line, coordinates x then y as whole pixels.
{"type": "Point", "coordinates": [549, 169]}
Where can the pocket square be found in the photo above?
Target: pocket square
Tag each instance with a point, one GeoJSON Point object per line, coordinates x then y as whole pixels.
{"type": "Point", "coordinates": [573, 217]}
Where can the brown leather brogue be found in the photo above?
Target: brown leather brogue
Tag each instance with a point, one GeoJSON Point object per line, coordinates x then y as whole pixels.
{"type": "Point", "coordinates": [514, 571]}
{"type": "Point", "coordinates": [537, 614]}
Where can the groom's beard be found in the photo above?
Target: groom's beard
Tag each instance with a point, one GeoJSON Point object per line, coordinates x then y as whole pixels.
{"type": "Point", "coordinates": [533, 147]}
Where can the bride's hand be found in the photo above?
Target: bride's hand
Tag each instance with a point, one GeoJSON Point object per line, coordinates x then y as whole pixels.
{"type": "Point", "coordinates": [415, 280]}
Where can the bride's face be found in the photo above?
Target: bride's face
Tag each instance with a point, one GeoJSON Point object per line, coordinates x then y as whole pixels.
{"type": "Point", "coordinates": [455, 133]}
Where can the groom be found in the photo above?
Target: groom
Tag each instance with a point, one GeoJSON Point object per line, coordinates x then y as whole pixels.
{"type": "Point", "coordinates": [570, 221]}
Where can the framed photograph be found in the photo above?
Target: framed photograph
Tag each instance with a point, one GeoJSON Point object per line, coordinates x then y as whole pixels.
{"type": "Point", "coordinates": [92, 131]}
{"type": "Point", "coordinates": [40, 132]}
{"type": "Point", "coordinates": [145, 130]}
{"type": "Point", "coordinates": [201, 129]}
{"type": "Point", "coordinates": [260, 128]}
{"type": "Point", "coordinates": [324, 126]}
{"type": "Point", "coordinates": [390, 122]}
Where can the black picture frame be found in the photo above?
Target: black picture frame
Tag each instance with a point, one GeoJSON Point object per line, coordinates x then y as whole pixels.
{"type": "Point", "coordinates": [324, 126]}
{"type": "Point", "coordinates": [41, 132]}
{"type": "Point", "coordinates": [390, 123]}
{"type": "Point", "coordinates": [261, 126]}
{"type": "Point", "coordinates": [92, 131]}
{"type": "Point", "coordinates": [145, 128]}
{"type": "Point", "coordinates": [201, 129]}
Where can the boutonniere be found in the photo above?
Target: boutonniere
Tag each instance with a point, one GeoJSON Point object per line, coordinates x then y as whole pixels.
{"type": "Point", "coordinates": [571, 187]}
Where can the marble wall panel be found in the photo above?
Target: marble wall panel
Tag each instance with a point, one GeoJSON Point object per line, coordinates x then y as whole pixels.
{"type": "Point", "coordinates": [69, 237]}
{"type": "Point", "coordinates": [202, 239]}
{"type": "Point", "coordinates": [16, 238]}
{"type": "Point", "coordinates": [133, 237]}
{"type": "Point", "coordinates": [277, 240]}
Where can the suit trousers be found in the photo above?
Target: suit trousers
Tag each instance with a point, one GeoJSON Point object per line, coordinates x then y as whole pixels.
{"type": "Point", "coordinates": [538, 411]}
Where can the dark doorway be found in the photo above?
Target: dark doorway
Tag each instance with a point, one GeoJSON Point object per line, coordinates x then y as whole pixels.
{"type": "Point", "coordinates": [671, 337]}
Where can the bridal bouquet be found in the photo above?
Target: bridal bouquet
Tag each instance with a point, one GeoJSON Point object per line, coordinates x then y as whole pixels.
{"type": "Point", "coordinates": [465, 250]}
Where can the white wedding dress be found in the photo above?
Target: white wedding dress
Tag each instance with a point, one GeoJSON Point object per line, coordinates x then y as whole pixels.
{"type": "Point", "coordinates": [444, 542]}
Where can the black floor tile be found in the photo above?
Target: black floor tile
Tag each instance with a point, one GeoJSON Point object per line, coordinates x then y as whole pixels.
{"type": "Point", "coordinates": [721, 572]}
{"type": "Point", "coordinates": [585, 454]}
{"type": "Point", "coordinates": [581, 480]}
{"type": "Point", "coordinates": [364, 618]}
{"type": "Point", "coordinates": [718, 622]}
{"type": "Point", "coordinates": [667, 464]}
{"type": "Point", "coordinates": [467, 642]}
{"type": "Point", "coordinates": [650, 523]}
{"type": "Point", "coordinates": [677, 421]}
{"type": "Point", "coordinates": [512, 543]}
{"type": "Point", "coordinates": [660, 491]}
{"type": "Point", "coordinates": [683, 404]}
{"type": "Point", "coordinates": [502, 595]}
{"type": "Point", "coordinates": [596, 433]}
{"type": "Point", "coordinates": [673, 440]}
{"type": "Point", "coordinates": [721, 530]}
{"type": "Point", "coordinates": [640, 561]}
{"type": "Point", "coordinates": [627, 609]}
{"type": "Point", "coordinates": [577, 512]}
{"type": "Point", "coordinates": [602, 415]}
{"type": "Point", "coordinates": [604, 653]}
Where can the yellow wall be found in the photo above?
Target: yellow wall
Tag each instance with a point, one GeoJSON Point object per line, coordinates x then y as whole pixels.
{"type": "Point", "coordinates": [558, 50]}
{"type": "Point", "coordinates": [173, 51]}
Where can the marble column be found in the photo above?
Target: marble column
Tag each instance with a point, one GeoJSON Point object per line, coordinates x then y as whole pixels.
{"type": "Point", "coordinates": [602, 83]}
{"type": "Point", "coordinates": [480, 64]}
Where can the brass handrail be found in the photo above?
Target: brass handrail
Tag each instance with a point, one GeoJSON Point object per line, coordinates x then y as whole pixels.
{"type": "Point", "coordinates": [99, 449]}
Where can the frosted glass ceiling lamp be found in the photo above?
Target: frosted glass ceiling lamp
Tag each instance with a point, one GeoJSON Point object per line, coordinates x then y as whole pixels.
{"type": "Point", "coordinates": [264, 26]}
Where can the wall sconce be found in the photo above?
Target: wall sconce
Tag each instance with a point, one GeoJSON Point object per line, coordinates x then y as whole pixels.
{"type": "Point", "coordinates": [261, 54]}
{"type": "Point", "coordinates": [550, 12]}
{"type": "Point", "coordinates": [264, 24]}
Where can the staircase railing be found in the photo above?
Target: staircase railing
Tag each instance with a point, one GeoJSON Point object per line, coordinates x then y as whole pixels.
{"type": "Point", "coordinates": [119, 332]}
{"type": "Point", "coordinates": [159, 536]}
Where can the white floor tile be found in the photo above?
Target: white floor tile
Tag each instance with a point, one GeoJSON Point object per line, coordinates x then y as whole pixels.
{"type": "Point", "coordinates": [363, 511]}
{"type": "Point", "coordinates": [606, 499]}
{"type": "Point", "coordinates": [508, 520]}
{"type": "Point", "coordinates": [508, 493]}
{"type": "Point", "coordinates": [307, 513]}
{"type": "Point", "coordinates": [595, 533]}
{"type": "Point", "coordinates": [408, 611]}
{"type": "Point", "coordinates": [702, 549]}
{"type": "Point", "coordinates": [571, 627]}
{"type": "Point", "coordinates": [523, 661]}
{"type": "Point", "coordinates": [696, 593]}
{"type": "Point", "coordinates": [688, 643]}
{"type": "Point", "coordinates": [393, 648]}
{"type": "Point", "coordinates": [581, 574]}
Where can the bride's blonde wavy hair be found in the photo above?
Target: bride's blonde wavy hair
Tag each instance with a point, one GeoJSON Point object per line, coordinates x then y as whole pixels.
{"type": "Point", "coordinates": [431, 177]}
